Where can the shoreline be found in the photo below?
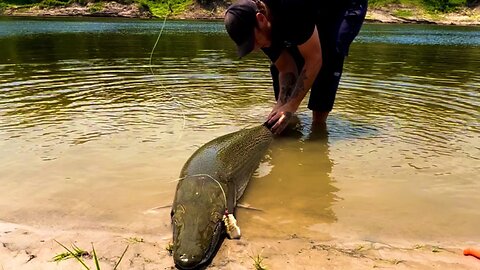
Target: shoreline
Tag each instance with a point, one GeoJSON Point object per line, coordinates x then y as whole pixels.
{"type": "Point", "coordinates": [390, 14]}
{"type": "Point", "coordinates": [28, 247]}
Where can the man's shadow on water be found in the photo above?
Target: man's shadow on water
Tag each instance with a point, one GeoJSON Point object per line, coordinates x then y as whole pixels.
{"type": "Point", "coordinates": [299, 190]}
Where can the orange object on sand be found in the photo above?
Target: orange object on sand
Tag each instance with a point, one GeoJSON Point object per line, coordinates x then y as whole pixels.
{"type": "Point", "coordinates": [472, 252]}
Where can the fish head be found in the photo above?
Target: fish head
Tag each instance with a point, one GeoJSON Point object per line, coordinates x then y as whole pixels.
{"type": "Point", "coordinates": [197, 223]}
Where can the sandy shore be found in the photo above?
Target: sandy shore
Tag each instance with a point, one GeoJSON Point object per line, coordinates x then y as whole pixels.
{"type": "Point", "coordinates": [24, 247]}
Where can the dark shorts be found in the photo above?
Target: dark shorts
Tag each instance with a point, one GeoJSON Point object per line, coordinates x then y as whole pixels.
{"type": "Point", "coordinates": [337, 30]}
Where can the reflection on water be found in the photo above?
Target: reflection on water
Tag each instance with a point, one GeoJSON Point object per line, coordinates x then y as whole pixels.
{"type": "Point", "coordinates": [421, 35]}
{"type": "Point", "coordinates": [89, 134]}
{"type": "Point", "coordinates": [299, 189]}
{"type": "Point", "coordinates": [293, 186]}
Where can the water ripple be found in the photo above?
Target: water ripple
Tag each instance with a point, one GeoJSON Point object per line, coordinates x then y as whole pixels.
{"type": "Point", "coordinates": [422, 96]}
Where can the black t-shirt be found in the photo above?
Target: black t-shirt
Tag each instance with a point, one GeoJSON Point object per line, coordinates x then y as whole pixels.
{"type": "Point", "coordinates": [293, 22]}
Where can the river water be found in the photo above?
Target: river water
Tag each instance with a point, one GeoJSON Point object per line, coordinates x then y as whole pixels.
{"type": "Point", "coordinates": [94, 132]}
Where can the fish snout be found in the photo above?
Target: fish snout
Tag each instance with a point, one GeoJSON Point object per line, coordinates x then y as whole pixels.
{"type": "Point", "coordinates": [187, 261]}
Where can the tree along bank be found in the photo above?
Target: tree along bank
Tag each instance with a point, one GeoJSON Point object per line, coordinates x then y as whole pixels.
{"type": "Point", "coordinates": [456, 12]}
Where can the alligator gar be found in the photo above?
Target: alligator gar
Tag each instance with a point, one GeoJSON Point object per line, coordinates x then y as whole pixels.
{"type": "Point", "coordinates": [211, 182]}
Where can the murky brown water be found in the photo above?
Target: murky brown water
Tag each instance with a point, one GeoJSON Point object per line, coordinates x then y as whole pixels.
{"type": "Point", "coordinates": [89, 138]}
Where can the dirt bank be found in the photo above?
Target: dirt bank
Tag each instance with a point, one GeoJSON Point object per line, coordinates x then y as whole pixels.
{"type": "Point", "coordinates": [107, 9]}
{"type": "Point", "coordinates": [390, 14]}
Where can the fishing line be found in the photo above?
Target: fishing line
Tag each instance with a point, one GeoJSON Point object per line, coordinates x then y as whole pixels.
{"type": "Point", "coordinates": [156, 43]}
{"type": "Point", "coordinates": [180, 105]}
{"type": "Point", "coordinates": [209, 176]}
{"type": "Point", "coordinates": [201, 174]}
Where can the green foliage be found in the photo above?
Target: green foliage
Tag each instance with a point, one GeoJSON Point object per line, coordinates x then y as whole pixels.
{"type": "Point", "coordinates": [210, 2]}
{"type": "Point", "coordinates": [444, 5]}
{"type": "Point", "coordinates": [162, 8]}
{"type": "Point", "coordinates": [383, 3]}
{"type": "Point", "coordinates": [472, 3]}
{"type": "Point", "coordinates": [96, 7]}
{"type": "Point", "coordinates": [125, 2]}
{"type": "Point", "coordinates": [77, 252]}
{"type": "Point", "coordinates": [21, 2]}
{"type": "Point", "coordinates": [258, 262]}
{"type": "Point", "coordinates": [403, 13]}
{"type": "Point", "coordinates": [81, 2]}
{"type": "Point", "coordinates": [431, 5]}
{"type": "Point", "coordinates": [52, 3]}
{"type": "Point", "coordinates": [144, 6]}
{"type": "Point", "coordinates": [377, 3]}
{"type": "Point", "coordinates": [95, 257]}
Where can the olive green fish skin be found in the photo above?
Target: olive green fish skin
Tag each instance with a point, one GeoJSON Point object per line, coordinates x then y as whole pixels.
{"type": "Point", "coordinates": [219, 170]}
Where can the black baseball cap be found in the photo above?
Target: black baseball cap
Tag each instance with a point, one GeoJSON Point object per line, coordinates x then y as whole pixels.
{"type": "Point", "coordinates": [240, 22]}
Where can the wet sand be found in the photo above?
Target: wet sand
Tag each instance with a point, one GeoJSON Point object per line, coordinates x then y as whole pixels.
{"type": "Point", "coordinates": [24, 247]}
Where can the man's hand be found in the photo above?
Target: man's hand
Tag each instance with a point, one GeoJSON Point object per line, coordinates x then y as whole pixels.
{"type": "Point", "coordinates": [280, 117]}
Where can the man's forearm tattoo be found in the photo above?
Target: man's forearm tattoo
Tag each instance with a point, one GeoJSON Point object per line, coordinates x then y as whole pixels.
{"type": "Point", "coordinates": [287, 84]}
{"type": "Point", "coordinates": [299, 87]}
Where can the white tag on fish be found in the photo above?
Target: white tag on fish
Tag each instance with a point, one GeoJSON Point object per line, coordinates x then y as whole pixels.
{"type": "Point", "coordinates": [233, 230]}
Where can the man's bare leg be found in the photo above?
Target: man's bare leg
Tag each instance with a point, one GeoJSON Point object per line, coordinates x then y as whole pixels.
{"type": "Point", "coordinates": [319, 118]}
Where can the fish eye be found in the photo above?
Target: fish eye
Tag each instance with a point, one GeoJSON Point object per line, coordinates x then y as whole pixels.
{"type": "Point", "coordinates": [178, 213]}
{"type": "Point", "coordinates": [180, 208]}
{"type": "Point", "coordinates": [177, 219]}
